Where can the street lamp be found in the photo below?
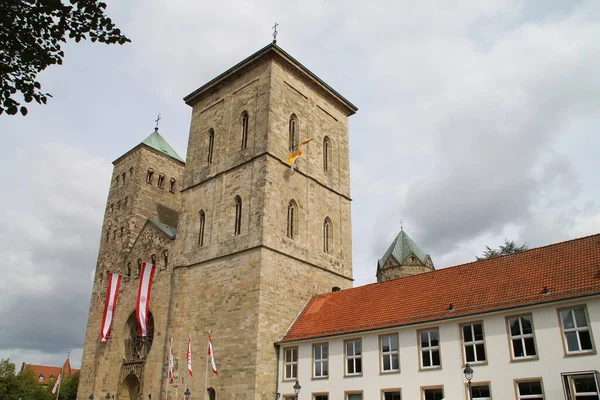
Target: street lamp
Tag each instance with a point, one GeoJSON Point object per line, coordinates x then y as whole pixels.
{"type": "Point", "coordinates": [187, 393]}
{"type": "Point", "coordinates": [468, 371]}
{"type": "Point", "coordinates": [297, 388]}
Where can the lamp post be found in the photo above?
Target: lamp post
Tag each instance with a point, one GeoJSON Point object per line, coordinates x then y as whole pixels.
{"type": "Point", "coordinates": [468, 371]}
{"type": "Point", "coordinates": [297, 388]}
{"type": "Point", "coordinates": [187, 393]}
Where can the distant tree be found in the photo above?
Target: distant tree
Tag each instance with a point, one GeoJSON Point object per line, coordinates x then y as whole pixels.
{"type": "Point", "coordinates": [31, 32]}
{"type": "Point", "coordinates": [508, 247]}
{"type": "Point", "coordinates": [68, 388]}
{"type": "Point", "coordinates": [21, 386]}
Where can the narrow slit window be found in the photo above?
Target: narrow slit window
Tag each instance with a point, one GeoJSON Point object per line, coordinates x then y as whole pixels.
{"type": "Point", "coordinates": [238, 215]}
{"type": "Point", "coordinates": [161, 181]}
{"type": "Point", "coordinates": [292, 219]}
{"type": "Point", "coordinates": [326, 154]}
{"type": "Point", "coordinates": [293, 133]}
{"type": "Point", "coordinates": [172, 185]}
{"type": "Point", "coordinates": [244, 122]}
{"type": "Point", "coordinates": [211, 145]}
{"type": "Point", "coordinates": [201, 228]}
{"type": "Point", "coordinates": [327, 235]}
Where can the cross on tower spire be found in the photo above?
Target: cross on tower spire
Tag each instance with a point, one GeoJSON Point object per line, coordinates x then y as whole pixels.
{"type": "Point", "coordinates": [157, 119]}
{"type": "Point", "coordinates": [401, 228]}
{"type": "Point", "coordinates": [275, 32]}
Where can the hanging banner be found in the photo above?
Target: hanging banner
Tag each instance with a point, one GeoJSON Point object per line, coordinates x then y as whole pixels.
{"type": "Point", "coordinates": [110, 305]}
{"type": "Point", "coordinates": [143, 299]}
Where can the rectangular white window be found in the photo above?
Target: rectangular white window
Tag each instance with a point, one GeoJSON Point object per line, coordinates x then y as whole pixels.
{"type": "Point", "coordinates": [522, 339]}
{"type": "Point", "coordinates": [320, 357]}
{"type": "Point", "coordinates": [473, 342]}
{"type": "Point", "coordinates": [480, 391]}
{"type": "Point", "coordinates": [291, 363]}
{"type": "Point", "coordinates": [530, 390]}
{"type": "Point", "coordinates": [354, 396]}
{"type": "Point", "coordinates": [582, 385]}
{"type": "Point", "coordinates": [353, 357]}
{"type": "Point", "coordinates": [429, 343]}
{"type": "Point", "coordinates": [577, 333]}
{"type": "Point", "coordinates": [391, 395]}
{"type": "Point", "coordinates": [321, 397]}
{"type": "Point", "coordinates": [433, 394]}
{"type": "Point", "coordinates": [390, 360]}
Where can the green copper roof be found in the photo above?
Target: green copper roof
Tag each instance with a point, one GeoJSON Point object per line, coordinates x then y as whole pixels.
{"type": "Point", "coordinates": [166, 229]}
{"type": "Point", "coordinates": [157, 142]}
{"type": "Point", "coordinates": [402, 247]}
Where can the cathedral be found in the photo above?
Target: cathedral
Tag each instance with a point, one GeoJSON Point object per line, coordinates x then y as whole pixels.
{"type": "Point", "coordinates": [248, 241]}
{"type": "Point", "coordinates": [240, 240]}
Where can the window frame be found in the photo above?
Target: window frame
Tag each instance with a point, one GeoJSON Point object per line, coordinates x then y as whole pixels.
{"type": "Point", "coordinates": [347, 394]}
{"type": "Point", "coordinates": [420, 349]}
{"type": "Point", "coordinates": [524, 380]}
{"type": "Point", "coordinates": [390, 353]}
{"type": "Point", "coordinates": [327, 235]}
{"type": "Point", "coordinates": [431, 387]}
{"type": "Point", "coordinates": [567, 353]}
{"type": "Point", "coordinates": [292, 364]}
{"type": "Point", "coordinates": [293, 133]}
{"type": "Point", "coordinates": [475, 384]}
{"type": "Point", "coordinates": [314, 395]}
{"type": "Point", "coordinates": [522, 336]}
{"type": "Point", "coordinates": [355, 358]}
{"type": "Point", "coordinates": [390, 390]}
{"type": "Point", "coordinates": [327, 155]}
{"type": "Point", "coordinates": [473, 343]}
{"type": "Point", "coordinates": [568, 382]}
{"type": "Point", "coordinates": [161, 181]}
{"type": "Point", "coordinates": [149, 176]}
{"type": "Point", "coordinates": [172, 185]}
{"type": "Point", "coordinates": [292, 220]}
{"type": "Point", "coordinates": [320, 360]}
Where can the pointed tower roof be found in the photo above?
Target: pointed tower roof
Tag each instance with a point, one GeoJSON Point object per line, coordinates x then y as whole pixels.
{"type": "Point", "coordinates": [67, 367]}
{"type": "Point", "coordinates": [402, 247]}
{"type": "Point", "coordinates": [156, 142]}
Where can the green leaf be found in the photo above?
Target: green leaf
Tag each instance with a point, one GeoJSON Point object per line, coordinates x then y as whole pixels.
{"type": "Point", "coordinates": [24, 110]}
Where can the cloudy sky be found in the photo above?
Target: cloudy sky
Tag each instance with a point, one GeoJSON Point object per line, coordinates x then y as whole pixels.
{"type": "Point", "coordinates": [477, 122]}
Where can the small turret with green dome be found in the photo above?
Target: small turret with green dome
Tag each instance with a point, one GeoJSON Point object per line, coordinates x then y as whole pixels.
{"type": "Point", "coordinates": [403, 258]}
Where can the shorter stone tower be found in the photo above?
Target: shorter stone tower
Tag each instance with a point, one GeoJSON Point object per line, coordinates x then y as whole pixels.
{"type": "Point", "coordinates": [403, 258]}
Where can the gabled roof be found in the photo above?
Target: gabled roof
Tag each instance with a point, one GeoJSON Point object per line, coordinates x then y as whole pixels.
{"type": "Point", "coordinates": [272, 48]}
{"type": "Point", "coordinates": [47, 371]}
{"type": "Point", "coordinates": [156, 142]}
{"type": "Point", "coordinates": [402, 247]}
{"type": "Point", "coordinates": [546, 274]}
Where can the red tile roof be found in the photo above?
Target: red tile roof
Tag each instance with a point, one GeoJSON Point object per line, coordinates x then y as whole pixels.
{"type": "Point", "coordinates": [48, 371]}
{"type": "Point", "coordinates": [568, 269]}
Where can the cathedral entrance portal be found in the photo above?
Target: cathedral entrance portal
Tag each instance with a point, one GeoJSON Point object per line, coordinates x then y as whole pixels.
{"type": "Point", "coordinates": [130, 388]}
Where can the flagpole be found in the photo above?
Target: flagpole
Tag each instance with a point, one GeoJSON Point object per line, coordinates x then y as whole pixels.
{"type": "Point", "coordinates": [206, 369]}
{"type": "Point", "coordinates": [61, 376]}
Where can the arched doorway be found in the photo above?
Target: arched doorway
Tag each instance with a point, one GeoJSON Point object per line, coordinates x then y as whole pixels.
{"type": "Point", "coordinates": [130, 388]}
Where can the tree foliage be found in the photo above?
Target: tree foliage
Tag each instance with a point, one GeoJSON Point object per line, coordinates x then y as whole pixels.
{"type": "Point", "coordinates": [31, 35]}
{"type": "Point", "coordinates": [20, 386]}
{"type": "Point", "coordinates": [508, 247]}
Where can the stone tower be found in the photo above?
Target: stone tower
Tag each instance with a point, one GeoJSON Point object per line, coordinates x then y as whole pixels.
{"type": "Point", "coordinates": [403, 258]}
{"type": "Point", "coordinates": [255, 239]}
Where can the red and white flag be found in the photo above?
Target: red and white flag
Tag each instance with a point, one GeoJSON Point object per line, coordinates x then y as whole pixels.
{"type": "Point", "coordinates": [56, 384]}
{"type": "Point", "coordinates": [143, 299]}
{"type": "Point", "coordinates": [171, 362]}
{"type": "Point", "coordinates": [188, 356]}
{"type": "Point", "coordinates": [211, 355]}
{"type": "Point", "coordinates": [110, 305]}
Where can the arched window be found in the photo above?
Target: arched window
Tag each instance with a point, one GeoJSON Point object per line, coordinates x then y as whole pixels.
{"type": "Point", "coordinates": [161, 181]}
{"type": "Point", "coordinates": [130, 172]}
{"type": "Point", "coordinates": [294, 133]}
{"type": "Point", "coordinates": [211, 145]}
{"type": "Point", "coordinates": [212, 395]}
{"type": "Point", "coordinates": [125, 202]}
{"type": "Point", "coordinates": [117, 181]}
{"type": "Point", "coordinates": [137, 347]}
{"type": "Point", "coordinates": [238, 215]}
{"type": "Point", "coordinates": [172, 185]}
{"type": "Point", "coordinates": [201, 228]}
{"type": "Point", "coordinates": [244, 122]}
{"type": "Point", "coordinates": [149, 176]}
{"type": "Point", "coordinates": [292, 219]}
{"type": "Point", "coordinates": [327, 228]}
{"type": "Point", "coordinates": [123, 176]}
{"type": "Point", "coordinates": [326, 154]}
